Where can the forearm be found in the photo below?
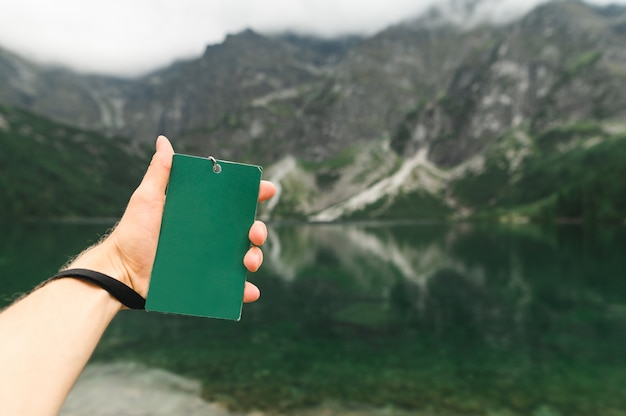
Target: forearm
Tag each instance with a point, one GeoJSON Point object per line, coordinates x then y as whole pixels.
{"type": "Point", "coordinates": [45, 341]}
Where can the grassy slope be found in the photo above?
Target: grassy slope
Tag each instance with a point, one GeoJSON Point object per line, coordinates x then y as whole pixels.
{"type": "Point", "coordinates": [573, 172]}
{"type": "Point", "coordinates": [53, 170]}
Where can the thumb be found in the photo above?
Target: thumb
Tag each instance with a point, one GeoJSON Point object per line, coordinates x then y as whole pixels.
{"type": "Point", "coordinates": [157, 176]}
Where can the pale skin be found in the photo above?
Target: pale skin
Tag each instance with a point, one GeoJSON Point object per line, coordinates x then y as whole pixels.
{"type": "Point", "coordinates": [47, 337]}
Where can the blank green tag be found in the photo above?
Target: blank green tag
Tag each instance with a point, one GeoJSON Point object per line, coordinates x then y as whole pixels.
{"type": "Point", "coordinates": [209, 209]}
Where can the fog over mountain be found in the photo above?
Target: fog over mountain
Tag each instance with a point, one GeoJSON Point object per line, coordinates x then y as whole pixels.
{"type": "Point", "coordinates": [123, 38]}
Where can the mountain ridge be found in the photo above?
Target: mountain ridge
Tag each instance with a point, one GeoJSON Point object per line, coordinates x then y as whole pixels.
{"type": "Point", "coordinates": [331, 119]}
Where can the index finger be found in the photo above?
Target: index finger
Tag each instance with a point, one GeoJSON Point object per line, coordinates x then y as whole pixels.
{"type": "Point", "coordinates": [266, 190]}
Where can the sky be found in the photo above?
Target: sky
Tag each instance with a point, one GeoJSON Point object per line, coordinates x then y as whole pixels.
{"type": "Point", "coordinates": [132, 37]}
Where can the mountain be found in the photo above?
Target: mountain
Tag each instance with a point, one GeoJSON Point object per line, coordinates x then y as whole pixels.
{"type": "Point", "coordinates": [425, 119]}
{"type": "Point", "coordinates": [517, 122]}
{"type": "Point", "coordinates": [85, 101]}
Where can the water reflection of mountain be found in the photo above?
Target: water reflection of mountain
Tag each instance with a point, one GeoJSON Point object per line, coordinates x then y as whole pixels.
{"type": "Point", "coordinates": [488, 282]}
{"type": "Point", "coordinates": [440, 319]}
{"type": "Point", "coordinates": [458, 319]}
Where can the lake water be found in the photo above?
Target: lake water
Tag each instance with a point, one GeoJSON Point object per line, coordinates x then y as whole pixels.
{"type": "Point", "coordinates": [387, 318]}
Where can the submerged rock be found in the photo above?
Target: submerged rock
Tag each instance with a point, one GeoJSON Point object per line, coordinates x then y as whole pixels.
{"type": "Point", "coordinates": [127, 389]}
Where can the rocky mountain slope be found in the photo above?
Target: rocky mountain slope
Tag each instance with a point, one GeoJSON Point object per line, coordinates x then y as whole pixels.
{"type": "Point", "coordinates": [423, 120]}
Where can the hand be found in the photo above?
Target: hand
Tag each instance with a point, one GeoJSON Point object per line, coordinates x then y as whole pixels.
{"type": "Point", "coordinates": [128, 253]}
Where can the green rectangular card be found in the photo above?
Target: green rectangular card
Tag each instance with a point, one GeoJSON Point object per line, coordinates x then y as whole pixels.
{"type": "Point", "coordinates": [198, 269]}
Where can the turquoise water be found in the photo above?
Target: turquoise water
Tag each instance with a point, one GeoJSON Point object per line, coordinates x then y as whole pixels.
{"type": "Point", "coordinates": [427, 319]}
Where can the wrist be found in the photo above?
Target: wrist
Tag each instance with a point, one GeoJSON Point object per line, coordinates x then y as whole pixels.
{"type": "Point", "coordinates": [93, 295]}
{"type": "Point", "coordinates": [102, 258]}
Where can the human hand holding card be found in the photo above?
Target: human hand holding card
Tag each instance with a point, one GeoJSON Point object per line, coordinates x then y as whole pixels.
{"type": "Point", "coordinates": [208, 212]}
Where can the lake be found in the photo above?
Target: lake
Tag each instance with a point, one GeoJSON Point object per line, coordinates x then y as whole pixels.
{"type": "Point", "coordinates": [383, 318]}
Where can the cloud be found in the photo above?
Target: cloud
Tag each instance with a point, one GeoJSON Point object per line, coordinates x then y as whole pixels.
{"type": "Point", "coordinates": [124, 37]}
{"type": "Point", "coordinates": [468, 13]}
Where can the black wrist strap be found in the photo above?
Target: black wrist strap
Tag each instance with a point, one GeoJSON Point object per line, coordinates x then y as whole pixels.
{"type": "Point", "coordinates": [117, 289]}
